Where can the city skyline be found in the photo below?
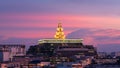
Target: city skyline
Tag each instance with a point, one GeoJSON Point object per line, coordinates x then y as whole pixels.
{"type": "Point", "coordinates": [27, 21]}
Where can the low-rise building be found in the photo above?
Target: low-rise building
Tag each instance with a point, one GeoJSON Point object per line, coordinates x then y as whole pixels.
{"type": "Point", "coordinates": [7, 51]}
{"type": "Point", "coordinates": [106, 60]}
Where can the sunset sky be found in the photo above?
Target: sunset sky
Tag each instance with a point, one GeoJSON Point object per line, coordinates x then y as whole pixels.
{"type": "Point", "coordinates": [37, 19]}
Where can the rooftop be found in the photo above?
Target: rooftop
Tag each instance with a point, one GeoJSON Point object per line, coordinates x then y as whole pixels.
{"type": "Point", "coordinates": [60, 41]}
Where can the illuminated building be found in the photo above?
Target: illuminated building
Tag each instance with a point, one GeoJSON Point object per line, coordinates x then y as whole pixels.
{"type": "Point", "coordinates": [65, 47]}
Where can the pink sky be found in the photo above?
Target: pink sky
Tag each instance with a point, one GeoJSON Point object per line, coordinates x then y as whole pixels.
{"type": "Point", "coordinates": [39, 19]}
{"type": "Point", "coordinates": [50, 21]}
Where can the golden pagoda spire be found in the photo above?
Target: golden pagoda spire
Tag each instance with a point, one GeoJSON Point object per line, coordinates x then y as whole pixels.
{"type": "Point", "coordinates": [59, 33]}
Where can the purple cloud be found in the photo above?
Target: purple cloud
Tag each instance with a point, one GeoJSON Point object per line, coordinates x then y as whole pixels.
{"type": "Point", "coordinates": [103, 39]}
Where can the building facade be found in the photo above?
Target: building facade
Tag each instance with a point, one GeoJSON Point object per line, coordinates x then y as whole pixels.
{"type": "Point", "coordinates": [65, 47]}
{"type": "Point", "coordinates": [7, 51]}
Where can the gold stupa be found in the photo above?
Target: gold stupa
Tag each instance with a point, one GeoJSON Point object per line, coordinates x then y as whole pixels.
{"type": "Point", "coordinates": [59, 33]}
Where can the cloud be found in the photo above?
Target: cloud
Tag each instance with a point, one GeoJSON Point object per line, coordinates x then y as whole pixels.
{"type": "Point", "coordinates": [29, 20]}
{"type": "Point", "coordinates": [26, 41]}
{"type": "Point", "coordinates": [3, 38]}
{"type": "Point", "coordinates": [103, 39]}
{"type": "Point", "coordinates": [86, 7]}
